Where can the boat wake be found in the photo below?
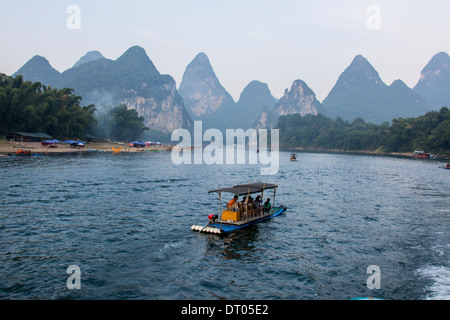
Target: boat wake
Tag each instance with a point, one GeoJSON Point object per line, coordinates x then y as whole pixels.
{"type": "Point", "coordinates": [170, 246]}
{"type": "Point", "coordinates": [440, 275]}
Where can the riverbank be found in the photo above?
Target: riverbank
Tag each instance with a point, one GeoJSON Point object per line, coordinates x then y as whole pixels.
{"type": "Point", "coordinates": [11, 147]}
{"type": "Point", "coordinates": [364, 152]}
{"type": "Point", "coordinates": [368, 152]}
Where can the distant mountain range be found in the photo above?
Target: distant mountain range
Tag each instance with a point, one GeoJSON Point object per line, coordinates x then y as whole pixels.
{"type": "Point", "coordinates": [207, 100]}
{"type": "Point", "coordinates": [133, 79]}
{"type": "Point", "coordinates": [360, 92]}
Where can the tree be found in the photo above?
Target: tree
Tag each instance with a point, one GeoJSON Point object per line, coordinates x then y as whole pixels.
{"type": "Point", "coordinates": [430, 132]}
{"type": "Point", "coordinates": [33, 107]}
{"type": "Point", "coordinates": [126, 123]}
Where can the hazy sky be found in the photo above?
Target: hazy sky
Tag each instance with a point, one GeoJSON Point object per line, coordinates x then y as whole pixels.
{"type": "Point", "coordinates": [275, 42]}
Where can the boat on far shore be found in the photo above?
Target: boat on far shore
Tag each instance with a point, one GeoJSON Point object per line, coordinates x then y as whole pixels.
{"type": "Point", "coordinates": [24, 153]}
{"type": "Point", "coordinates": [420, 154]}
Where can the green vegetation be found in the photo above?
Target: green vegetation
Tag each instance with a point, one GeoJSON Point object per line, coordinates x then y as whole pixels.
{"type": "Point", "coordinates": [33, 107]}
{"type": "Point", "coordinates": [120, 123]}
{"type": "Point", "coordinates": [430, 132]}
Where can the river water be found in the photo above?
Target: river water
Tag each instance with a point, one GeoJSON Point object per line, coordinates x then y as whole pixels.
{"type": "Point", "coordinates": [124, 220]}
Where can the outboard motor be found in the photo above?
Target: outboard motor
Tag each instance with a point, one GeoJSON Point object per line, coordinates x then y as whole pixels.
{"type": "Point", "coordinates": [213, 217]}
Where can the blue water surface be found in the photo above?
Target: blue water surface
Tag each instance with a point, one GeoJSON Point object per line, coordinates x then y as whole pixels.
{"type": "Point", "coordinates": [125, 220]}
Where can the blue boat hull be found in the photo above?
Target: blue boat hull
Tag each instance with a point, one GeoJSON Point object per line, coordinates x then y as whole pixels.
{"type": "Point", "coordinates": [24, 155]}
{"type": "Point", "coordinates": [225, 228]}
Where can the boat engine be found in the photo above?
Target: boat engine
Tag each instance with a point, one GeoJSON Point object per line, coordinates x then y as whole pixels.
{"type": "Point", "coordinates": [213, 217]}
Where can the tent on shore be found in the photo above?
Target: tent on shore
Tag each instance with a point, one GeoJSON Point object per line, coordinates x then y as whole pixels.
{"type": "Point", "coordinates": [78, 144]}
{"type": "Point", "coordinates": [75, 143]}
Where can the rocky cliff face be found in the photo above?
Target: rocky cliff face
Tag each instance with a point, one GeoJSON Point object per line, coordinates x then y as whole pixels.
{"type": "Point", "coordinates": [300, 99]}
{"type": "Point", "coordinates": [434, 83]}
{"type": "Point", "coordinates": [133, 80]}
{"type": "Point", "coordinates": [203, 95]}
{"type": "Point", "coordinates": [166, 113]}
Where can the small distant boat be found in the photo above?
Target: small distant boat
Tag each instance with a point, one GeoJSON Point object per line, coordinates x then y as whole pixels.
{"type": "Point", "coordinates": [244, 214]}
{"type": "Point", "coordinates": [420, 154]}
{"type": "Point", "coordinates": [294, 157]}
{"type": "Point", "coordinates": [24, 153]}
{"type": "Point", "coordinates": [445, 167]}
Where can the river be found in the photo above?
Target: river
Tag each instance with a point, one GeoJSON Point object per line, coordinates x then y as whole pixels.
{"type": "Point", "coordinates": [124, 220]}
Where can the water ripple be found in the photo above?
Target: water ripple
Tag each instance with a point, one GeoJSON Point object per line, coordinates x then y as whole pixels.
{"type": "Point", "coordinates": [125, 221]}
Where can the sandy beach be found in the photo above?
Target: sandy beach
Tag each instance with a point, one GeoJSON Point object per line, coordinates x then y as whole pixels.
{"type": "Point", "coordinates": [11, 147]}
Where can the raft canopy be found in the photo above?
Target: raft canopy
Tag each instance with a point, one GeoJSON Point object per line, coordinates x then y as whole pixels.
{"type": "Point", "coordinates": [245, 189]}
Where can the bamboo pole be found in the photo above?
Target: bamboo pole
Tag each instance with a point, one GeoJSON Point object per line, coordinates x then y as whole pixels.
{"type": "Point", "coordinates": [220, 204]}
{"type": "Point", "coordinates": [274, 194]}
{"type": "Point", "coordinates": [261, 207]}
{"type": "Point", "coordinates": [246, 205]}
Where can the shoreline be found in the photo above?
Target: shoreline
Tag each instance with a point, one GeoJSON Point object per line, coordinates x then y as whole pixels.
{"type": "Point", "coordinates": [444, 158]}
{"type": "Point", "coordinates": [362, 152]}
{"type": "Point", "coordinates": [11, 147]}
